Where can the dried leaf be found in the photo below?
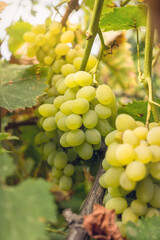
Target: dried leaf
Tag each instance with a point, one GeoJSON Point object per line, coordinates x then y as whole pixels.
{"type": "Point", "coordinates": [2, 6]}
{"type": "Point", "coordinates": [101, 224]}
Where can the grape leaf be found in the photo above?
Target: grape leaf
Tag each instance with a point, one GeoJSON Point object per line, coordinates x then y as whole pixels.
{"type": "Point", "coordinates": [16, 32]}
{"type": "Point", "coordinates": [129, 17]}
{"type": "Point", "coordinates": [7, 166]}
{"type": "Point", "coordinates": [5, 135]}
{"type": "Point", "coordinates": [25, 209]}
{"type": "Point", "coordinates": [145, 229]}
{"type": "Point", "coordinates": [20, 85]}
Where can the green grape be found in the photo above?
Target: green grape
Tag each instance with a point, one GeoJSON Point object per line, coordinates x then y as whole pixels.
{"type": "Point", "coordinates": [111, 155]}
{"type": "Point", "coordinates": [103, 127]}
{"type": "Point", "coordinates": [93, 136]}
{"type": "Point", "coordinates": [69, 170]}
{"type": "Point", "coordinates": [47, 110]}
{"type": "Point", "coordinates": [75, 137]}
{"type": "Point", "coordinates": [111, 177]}
{"type": "Point", "coordinates": [153, 136]}
{"type": "Point", "coordinates": [104, 94]}
{"type": "Point", "coordinates": [39, 29]}
{"type": "Point", "coordinates": [130, 137]}
{"type": "Point", "coordinates": [124, 121]}
{"type": "Point", "coordinates": [58, 101]}
{"type": "Point", "coordinates": [139, 208]}
{"type": "Point", "coordinates": [97, 146]}
{"type": "Point", "coordinates": [73, 121]}
{"type": "Point", "coordinates": [125, 153]}
{"type": "Point", "coordinates": [155, 170]}
{"type": "Point", "coordinates": [61, 124]}
{"type": "Point", "coordinates": [90, 119]}
{"type": "Point", "coordinates": [58, 82]}
{"type": "Point", "coordinates": [67, 37]}
{"type": "Point", "coordinates": [66, 107]}
{"type": "Point", "coordinates": [51, 53]}
{"type": "Point", "coordinates": [101, 182]}
{"type": "Point", "coordinates": [50, 39]}
{"type": "Point", "coordinates": [49, 124]}
{"type": "Point", "coordinates": [92, 60]}
{"type": "Point", "coordinates": [48, 60]}
{"type": "Point", "coordinates": [65, 183]}
{"type": "Point", "coordinates": [143, 154]}
{"type": "Point", "coordinates": [67, 69]}
{"type": "Point", "coordinates": [61, 49]}
{"type": "Point", "coordinates": [77, 63]}
{"type": "Point", "coordinates": [115, 192]}
{"type": "Point", "coordinates": [56, 180]}
{"type": "Point", "coordinates": [51, 157]}
{"type": "Point", "coordinates": [40, 55]}
{"type": "Point", "coordinates": [52, 134]}
{"type": "Point", "coordinates": [70, 94]}
{"type": "Point", "coordinates": [85, 150]}
{"type": "Point", "coordinates": [155, 150]}
{"type": "Point", "coordinates": [55, 78]}
{"type": "Point", "coordinates": [87, 92]}
{"type": "Point", "coordinates": [32, 50]}
{"type": "Point", "coordinates": [126, 183]}
{"type": "Point", "coordinates": [60, 160]}
{"type": "Point", "coordinates": [61, 88]}
{"type": "Point", "coordinates": [80, 52]}
{"type": "Point", "coordinates": [153, 125]}
{"type": "Point", "coordinates": [118, 204]}
{"type": "Point", "coordinates": [55, 28]}
{"type": "Point", "coordinates": [102, 111]}
{"type": "Point", "coordinates": [141, 132]}
{"type": "Point", "coordinates": [139, 124]}
{"type": "Point", "coordinates": [128, 215]}
{"type": "Point", "coordinates": [83, 78]}
{"type": "Point", "coordinates": [39, 138]}
{"type": "Point", "coordinates": [56, 67]}
{"type": "Point", "coordinates": [155, 200]}
{"type": "Point", "coordinates": [110, 138]}
{"type": "Point", "coordinates": [49, 100]}
{"type": "Point", "coordinates": [48, 148]}
{"type": "Point", "coordinates": [29, 37]}
{"type": "Point", "coordinates": [144, 190]}
{"type": "Point", "coordinates": [79, 174]}
{"type": "Point", "coordinates": [136, 171]}
{"type": "Point", "coordinates": [105, 164]}
{"type": "Point", "coordinates": [58, 116]}
{"type": "Point", "coordinates": [52, 92]}
{"type": "Point", "coordinates": [71, 55]}
{"type": "Point", "coordinates": [40, 39]}
{"type": "Point", "coordinates": [152, 212]}
{"type": "Point", "coordinates": [57, 173]}
{"type": "Point", "coordinates": [79, 106]}
{"type": "Point", "coordinates": [63, 140]}
{"type": "Point", "coordinates": [70, 81]}
{"type": "Point", "coordinates": [45, 48]}
{"type": "Point", "coordinates": [72, 155]}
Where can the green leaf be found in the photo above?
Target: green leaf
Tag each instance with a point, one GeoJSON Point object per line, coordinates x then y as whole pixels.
{"type": "Point", "coordinates": [3, 150]}
{"type": "Point", "coordinates": [16, 32]}
{"type": "Point", "coordinates": [107, 6]}
{"type": "Point", "coordinates": [25, 209]}
{"type": "Point", "coordinates": [20, 85]}
{"type": "Point", "coordinates": [129, 17]}
{"type": "Point", "coordinates": [3, 135]}
{"type": "Point", "coordinates": [7, 167]}
{"type": "Point", "coordinates": [145, 229]}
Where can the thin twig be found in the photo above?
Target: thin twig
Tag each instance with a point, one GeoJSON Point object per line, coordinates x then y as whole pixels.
{"type": "Point", "coordinates": [56, 231]}
{"type": "Point", "coordinates": [31, 121]}
{"type": "Point", "coordinates": [72, 5]}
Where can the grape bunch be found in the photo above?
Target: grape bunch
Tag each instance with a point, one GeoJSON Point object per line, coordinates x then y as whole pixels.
{"type": "Point", "coordinates": [132, 164]}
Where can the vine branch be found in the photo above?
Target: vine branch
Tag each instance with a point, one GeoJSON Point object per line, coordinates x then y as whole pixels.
{"type": "Point", "coordinates": [72, 5]}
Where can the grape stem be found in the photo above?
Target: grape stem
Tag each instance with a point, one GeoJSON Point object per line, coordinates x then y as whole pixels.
{"type": "Point", "coordinates": [56, 231]}
{"type": "Point", "coordinates": [124, 3]}
{"type": "Point", "coordinates": [138, 64]}
{"type": "Point", "coordinates": [92, 31]}
{"type": "Point", "coordinates": [72, 5]}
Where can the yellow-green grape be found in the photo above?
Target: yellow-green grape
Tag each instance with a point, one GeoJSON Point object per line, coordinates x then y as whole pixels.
{"type": "Point", "coordinates": [61, 49]}
{"type": "Point", "coordinates": [40, 39]}
{"type": "Point", "coordinates": [117, 191]}
{"type": "Point", "coordinates": [52, 92]}
{"type": "Point", "coordinates": [56, 180]}
{"type": "Point", "coordinates": [73, 121]}
{"type": "Point", "coordinates": [80, 52]}
{"type": "Point", "coordinates": [29, 37]}
{"type": "Point", "coordinates": [85, 150]}
{"type": "Point", "coordinates": [67, 69]}
{"type": "Point", "coordinates": [66, 107]}
{"type": "Point", "coordinates": [60, 160]}
{"type": "Point", "coordinates": [48, 148]}
{"type": "Point", "coordinates": [72, 155]}
{"type": "Point", "coordinates": [125, 153]}
{"type": "Point", "coordinates": [61, 124]}
{"type": "Point", "coordinates": [56, 67]}
{"type": "Point", "coordinates": [153, 136]}
{"type": "Point", "coordinates": [90, 119]}
{"type": "Point", "coordinates": [58, 115]}
{"type": "Point", "coordinates": [136, 171]}
{"type": "Point", "coordinates": [118, 204]}
{"type": "Point", "coordinates": [155, 170]}
{"type": "Point", "coordinates": [58, 82]}
{"type": "Point", "coordinates": [92, 60]}
{"type": "Point", "coordinates": [93, 136]}
{"type": "Point", "coordinates": [67, 37]}
{"type": "Point", "coordinates": [51, 53]}
{"type": "Point", "coordinates": [124, 121]}
{"type": "Point", "coordinates": [71, 55]}
{"type": "Point", "coordinates": [152, 212]}
{"type": "Point", "coordinates": [103, 111]}
{"type": "Point", "coordinates": [126, 183]}
{"type": "Point", "coordinates": [143, 154]}
{"type": "Point", "coordinates": [155, 200]}
{"type": "Point", "coordinates": [55, 79]}
{"type": "Point", "coordinates": [57, 173]}
{"type": "Point", "coordinates": [102, 184]}
{"type": "Point", "coordinates": [51, 157]}
{"type": "Point", "coordinates": [69, 170]}
{"type": "Point", "coordinates": [50, 39]}
{"type": "Point", "coordinates": [111, 155]}
{"type": "Point", "coordinates": [153, 125]}
{"type": "Point", "coordinates": [65, 183]}
{"type": "Point", "coordinates": [79, 106]}
{"type": "Point", "coordinates": [41, 138]}
{"type": "Point", "coordinates": [97, 146]}
{"type": "Point", "coordinates": [58, 101]}
{"type": "Point", "coordinates": [70, 81]}
{"type": "Point", "coordinates": [111, 177]}
{"type": "Point", "coordinates": [39, 29]}
{"type": "Point", "coordinates": [139, 124]}
{"type": "Point", "coordinates": [110, 138]}
{"type": "Point", "coordinates": [47, 110]}
{"type": "Point", "coordinates": [32, 50]}
{"type": "Point", "coordinates": [129, 215]}
{"type": "Point", "coordinates": [49, 100]}
{"type": "Point", "coordinates": [144, 190]}
{"type": "Point", "coordinates": [48, 60]}
{"type": "Point", "coordinates": [75, 137]}
{"type": "Point", "coordinates": [49, 124]}
{"type": "Point", "coordinates": [104, 94]}
{"type": "Point", "coordinates": [143, 143]}
{"type": "Point", "coordinates": [70, 94]}
{"type": "Point", "coordinates": [130, 137]}
{"type": "Point", "coordinates": [77, 63]}
{"type": "Point", "coordinates": [40, 55]}
{"type": "Point", "coordinates": [139, 208]}
{"type": "Point", "coordinates": [155, 150]}
{"type": "Point", "coordinates": [83, 78]}
{"type": "Point", "coordinates": [46, 47]}
{"type": "Point", "coordinates": [51, 135]}
{"type": "Point", "coordinates": [63, 140]}
{"type": "Point", "coordinates": [103, 127]}
{"type": "Point", "coordinates": [55, 28]}
{"type": "Point", "coordinates": [141, 132]}
{"type": "Point", "coordinates": [61, 88]}
{"type": "Point", "coordinates": [105, 164]}
{"type": "Point", "coordinates": [87, 92]}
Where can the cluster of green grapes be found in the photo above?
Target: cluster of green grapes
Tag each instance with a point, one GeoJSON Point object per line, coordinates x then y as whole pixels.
{"type": "Point", "coordinates": [132, 164]}
{"type": "Point", "coordinates": [74, 113]}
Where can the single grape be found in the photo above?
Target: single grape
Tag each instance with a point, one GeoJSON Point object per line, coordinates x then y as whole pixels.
{"type": "Point", "coordinates": [67, 37]}
{"type": "Point", "coordinates": [61, 88]}
{"type": "Point", "coordinates": [69, 170]}
{"type": "Point", "coordinates": [101, 182]}
{"type": "Point", "coordinates": [48, 148]}
{"type": "Point", "coordinates": [87, 92]}
{"type": "Point", "coordinates": [130, 137]}
{"type": "Point", "coordinates": [71, 55]}
{"type": "Point", "coordinates": [153, 136]}
{"type": "Point", "coordinates": [49, 124]}
{"type": "Point", "coordinates": [66, 107]}
{"type": "Point", "coordinates": [103, 127]}
{"type": "Point", "coordinates": [67, 69]}
{"type": "Point", "coordinates": [83, 78]}
{"type": "Point", "coordinates": [70, 81]}
{"type": "Point", "coordinates": [47, 110]}
{"type": "Point", "coordinates": [144, 190]}
{"type": "Point", "coordinates": [75, 137]}
{"type": "Point", "coordinates": [92, 60]}
{"type": "Point", "coordinates": [51, 157]}
{"type": "Point", "coordinates": [118, 204]}
{"type": "Point", "coordinates": [58, 116]}
{"type": "Point", "coordinates": [79, 106]}
{"type": "Point", "coordinates": [63, 140]}
{"type": "Point", "coordinates": [129, 215]}
{"type": "Point", "coordinates": [58, 101]}
{"type": "Point", "coordinates": [39, 29]}
{"type": "Point", "coordinates": [90, 119]}
{"type": "Point", "coordinates": [29, 37]}
{"type": "Point", "coordinates": [152, 212]}
{"type": "Point", "coordinates": [139, 208]}
{"type": "Point", "coordinates": [57, 173]}
{"type": "Point", "coordinates": [126, 183]}
{"type": "Point", "coordinates": [111, 177]}
{"type": "Point", "coordinates": [104, 94]}
{"type": "Point", "coordinates": [103, 111]}
{"type": "Point", "coordinates": [61, 124]}
{"type": "Point", "coordinates": [55, 28]}
{"type": "Point", "coordinates": [56, 67]}
{"type": "Point", "coordinates": [105, 164]}
{"type": "Point", "coordinates": [40, 39]}
{"type": "Point", "coordinates": [155, 200]}
{"type": "Point", "coordinates": [136, 171]}
{"type": "Point", "coordinates": [125, 153]}
{"type": "Point", "coordinates": [155, 150]}
{"type": "Point", "coordinates": [61, 49]}
{"type": "Point", "coordinates": [111, 155]}
{"type": "Point", "coordinates": [60, 160]}
{"type": "Point", "coordinates": [70, 94]}
{"type": "Point", "coordinates": [65, 183]}
{"type": "Point", "coordinates": [72, 155]}
{"type": "Point", "coordinates": [85, 150]}
{"type": "Point", "coordinates": [77, 63]}
{"type": "Point", "coordinates": [110, 138]}
{"type": "Point", "coordinates": [93, 136]}
{"type": "Point", "coordinates": [143, 154]}
{"type": "Point", "coordinates": [155, 170]}
{"type": "Point", "coordinates": [124, 121]}
{"type": "Point", "coordinates": [73, 121]}
{"type": "Point", "coordinates": [141, 132]}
